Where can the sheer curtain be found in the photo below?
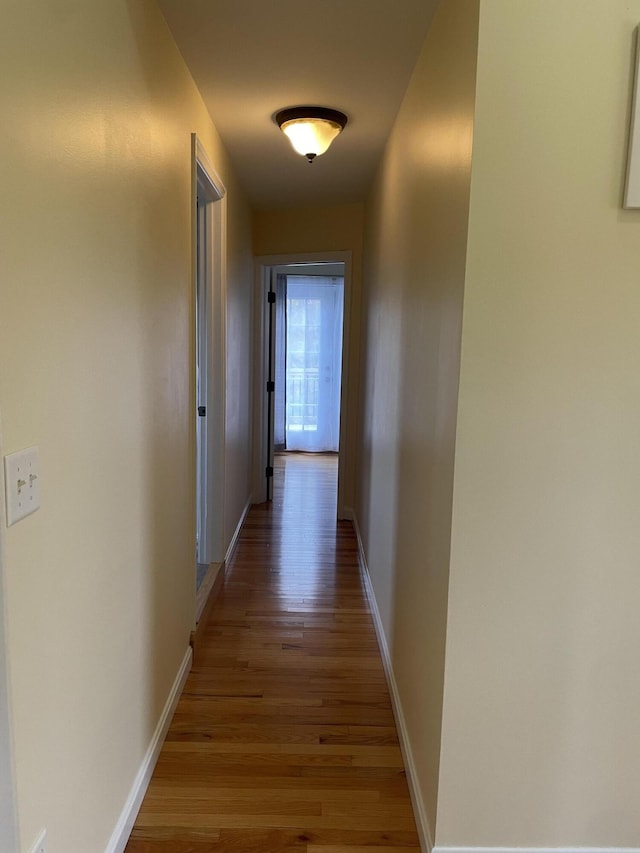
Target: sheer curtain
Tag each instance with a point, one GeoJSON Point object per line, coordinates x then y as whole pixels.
{"type": "Point", "coordinates": [313, 362]}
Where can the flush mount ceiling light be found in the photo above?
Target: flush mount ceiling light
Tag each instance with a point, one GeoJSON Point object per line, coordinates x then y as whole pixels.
{"type": "Point", "coordinates": [311, 130]}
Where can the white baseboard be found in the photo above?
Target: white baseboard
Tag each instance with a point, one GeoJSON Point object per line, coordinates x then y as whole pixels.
{"type": "Point", "coordinates": [445, 849]}
{"type": "Point", "coordinates": [420, 814]}
{"type": "Point", "coordinates": [202, 595]}
{"type": "Point", "coordinates": [121, 833]}
{"type": "Point", "coordinates": [234, 538]}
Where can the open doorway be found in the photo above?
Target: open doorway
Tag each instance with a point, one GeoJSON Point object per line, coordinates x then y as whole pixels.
{"type": "Point", "coordinates": [210, 312]}
{"type": "Point", "coordinates": [302, 376]}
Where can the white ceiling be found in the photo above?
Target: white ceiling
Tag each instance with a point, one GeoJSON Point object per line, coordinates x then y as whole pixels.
{"type": "Point", "coordinates": [251, 58]}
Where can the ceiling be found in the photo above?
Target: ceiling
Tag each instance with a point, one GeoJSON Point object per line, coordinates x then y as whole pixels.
{"type": "Point", "coordinates": [250, 58]}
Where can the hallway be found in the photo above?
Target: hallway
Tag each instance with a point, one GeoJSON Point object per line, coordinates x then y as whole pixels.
{"type": "Point", "coordinates": [284, 739]}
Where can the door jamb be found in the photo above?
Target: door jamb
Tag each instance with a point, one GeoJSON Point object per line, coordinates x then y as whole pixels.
{"type": "Point", "coordinates": [8, 803]}
{"type": "Point", "coordinates": [215, 282]}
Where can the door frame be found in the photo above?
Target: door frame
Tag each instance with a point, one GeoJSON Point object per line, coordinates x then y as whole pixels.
{"type": "Point", "coordinates": [8, 814]}
{"type": "Point", "coordinates": [210, 467]}
{"type": "Point", "coordinates": [263, 267]}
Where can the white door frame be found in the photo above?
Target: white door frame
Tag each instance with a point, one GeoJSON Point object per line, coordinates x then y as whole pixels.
{"type": "Point", "coordinates": [210, 466]}
{"type": "Point", "coordinates": [8, 819]}
{"type": "Point", "coordinates": [263, 266]}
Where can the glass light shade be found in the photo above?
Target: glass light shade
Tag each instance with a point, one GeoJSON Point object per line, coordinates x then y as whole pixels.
{"type": "Point", "coordinates": [311, 135]}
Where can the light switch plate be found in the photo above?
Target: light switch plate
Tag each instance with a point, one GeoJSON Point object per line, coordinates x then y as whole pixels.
{"type": "Point", "coordinates": [22, 483]}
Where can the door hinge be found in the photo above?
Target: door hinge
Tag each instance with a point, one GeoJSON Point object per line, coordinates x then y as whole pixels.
{"type": "Point", "coordinates": [268, 471]}
{"type": "Point", "coordinates": [271, 386]}
{"type": "Point", "coordinates": [271, 297]}
{"type": "Point", "coordinates": [202, 411]}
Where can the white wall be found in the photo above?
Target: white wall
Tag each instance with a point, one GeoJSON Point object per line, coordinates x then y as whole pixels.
{"type": "Point", "coordinates": [415, 247]}
{"type": "Point", "coordinates": [540, 739]}
{"type": "Point", "coordinates": [97, 355]}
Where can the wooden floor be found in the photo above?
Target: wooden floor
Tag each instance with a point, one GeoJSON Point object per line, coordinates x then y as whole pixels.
{"type": "Point", "coordinates": [284, 739]}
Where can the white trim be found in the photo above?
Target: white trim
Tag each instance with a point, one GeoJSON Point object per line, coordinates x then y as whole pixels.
{"type": "Point", "coordinates": [325, 269]}
{"type": "Point", "coordinates": [213, 460]}
{"type": "Point", "coordinates": [444, 849]}
{"type": "Point", "coordinates": [8, 805]}
{"type": "Point", "coordinates": [121, 833]}
{"type": "Point", "coordinates": [632, 184]}
{"type": "Point", "coordinates": [234, 538]}
{"type": "Point", "coordinates": [200, 154]}
{"type": "Point", "coordinates": [422, 822]}
{"type": "Point", "coordinates": [37, 845]}
{"type": "Point", "coordinates": [263, 264]}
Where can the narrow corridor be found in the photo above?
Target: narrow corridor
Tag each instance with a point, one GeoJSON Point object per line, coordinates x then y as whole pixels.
{"type": "Point", "coordinates": [284, 739]}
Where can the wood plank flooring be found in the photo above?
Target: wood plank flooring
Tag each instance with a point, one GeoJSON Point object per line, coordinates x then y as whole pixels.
{"type": "Point", "coordinates": [284, 739]}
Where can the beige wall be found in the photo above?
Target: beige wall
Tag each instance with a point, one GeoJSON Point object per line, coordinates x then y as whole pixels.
{"type": "Point", "coordinates": [239, 349]}
{"type": "Point", "coordinates": [96, 348]}
{"type": "Point", "coordinates": [415, 249]}
{"type": "Point", "coordinates": [311, 229]}
{"type": "Point", "coordinates": [540, 735]}
{"type": "Point", "coordinates": [324, 229]}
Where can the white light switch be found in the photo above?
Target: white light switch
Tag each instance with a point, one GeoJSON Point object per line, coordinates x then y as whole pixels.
{"type": "Point", "coordinates": [22, 486]}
